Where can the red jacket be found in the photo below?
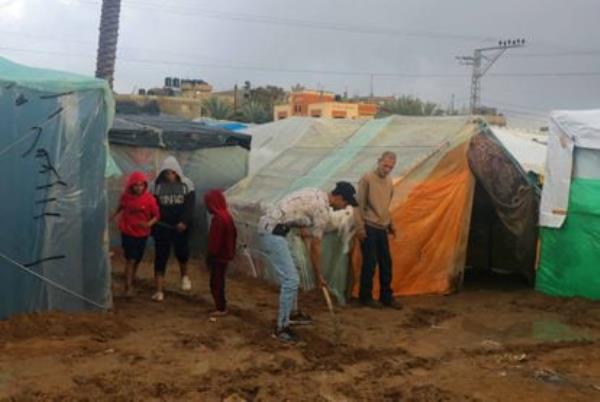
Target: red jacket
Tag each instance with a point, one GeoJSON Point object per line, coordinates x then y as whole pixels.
{"type": "Point", "coordinates": [136, 209]}
{"type": "Point", "coordinates": [222, 234]}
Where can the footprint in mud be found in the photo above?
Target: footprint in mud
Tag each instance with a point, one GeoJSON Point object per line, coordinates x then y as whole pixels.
{"type": "Point", "coordinates": [197, 341]}
{"type": "Point", "coordinates": [426, 318]}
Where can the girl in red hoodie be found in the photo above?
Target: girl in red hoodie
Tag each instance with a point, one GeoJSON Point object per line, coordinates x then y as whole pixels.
{"type": "Point", "coordinates": [139, 211]}
{"type": "Point", "coordinates": [221, 247]}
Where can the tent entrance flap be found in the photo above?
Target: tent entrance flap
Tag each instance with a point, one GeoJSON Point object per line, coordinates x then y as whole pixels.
{"type": "Point", "coordinates": [503, 231]}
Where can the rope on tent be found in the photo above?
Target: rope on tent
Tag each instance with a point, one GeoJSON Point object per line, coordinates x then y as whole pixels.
{"type": "Point", "coordinates": [51, 282]}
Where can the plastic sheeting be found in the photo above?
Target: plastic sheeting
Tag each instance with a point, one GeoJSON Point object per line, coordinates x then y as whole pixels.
{"type": "Point", "coordinates": [211, 158]}
{"type": "Point", "coordinates": [171, 132]}
{"type": "Point", "coordinates": [570, 255]}
{"type": "Point", "coordinates": [568, 130]}
{"type": "Point", "coordinates": [53, 149]}
{"type": "Point", "coordinates": [271, 140]}
{"type": "Point", "coordinates": [529, 149]}
{"type": "Point", "coordinates": [433, 190]}
{"type": "Point", "coordinates": [510, 239]}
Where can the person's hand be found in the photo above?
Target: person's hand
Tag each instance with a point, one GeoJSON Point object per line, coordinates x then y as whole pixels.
{"type": "Point", "coordinates": [392, 231]}
{"type": "Point", "coordinates": [181, 227]}
{"type": "Point", "coordinates": [143, 225]}
{"type": "Point", "coordinates": [361, 236]}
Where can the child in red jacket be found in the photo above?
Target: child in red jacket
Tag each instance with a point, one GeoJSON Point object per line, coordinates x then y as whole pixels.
{"type": "Point", "coordinates": [139, 211]}
{"type": "Point", "coordinates": [221, 247]}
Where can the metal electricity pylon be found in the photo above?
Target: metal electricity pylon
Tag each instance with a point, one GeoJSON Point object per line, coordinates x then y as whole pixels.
{"type": "Point", "coordinates": [482, 60]}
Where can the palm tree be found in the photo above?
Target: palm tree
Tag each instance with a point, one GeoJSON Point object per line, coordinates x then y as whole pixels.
{"type": "Point", "coordinates": [107, 42]}
{"type": "Point", "coordinates": [255, 112]}
{"type": "Point", "coordinates": [410, 106]}
{"type": "Point", "coordinates": [217, 108]}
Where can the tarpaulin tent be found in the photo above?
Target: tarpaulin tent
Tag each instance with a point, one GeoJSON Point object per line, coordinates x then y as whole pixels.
{"type": "Point", "coordinates": [53, 149]}
{"type": "Point", "coordinates": [225, 124]}
{"type": "Point", "coordinates": [270, 140]}
{"type": "Point", "coordinates": [434, 185]}
{"type": "Point", "coordinates": [210, 157]}
{"type": "Point", "coordinates": [570, 210]}
{"type": "Point", "coordinates": [528, 148]}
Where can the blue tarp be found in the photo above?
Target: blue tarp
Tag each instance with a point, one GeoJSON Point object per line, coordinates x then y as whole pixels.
{"type": "Point", "coordinates": [53, 157]}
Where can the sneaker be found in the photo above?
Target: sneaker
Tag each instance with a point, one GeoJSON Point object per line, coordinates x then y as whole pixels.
{"type": "Point", "coordinates": [286, 335]}
{"type": "Point", "coordinates": [300, 318]}
{"type": "Point", "coordinates": [186, 284]}
{"type": "Point", "coordinates": [158, 296]}
{"type": "Point", "coordinates": [218, 313]}
{"type": "Point", "coordinates": [393, 305]}
{"type": "Point", "coordinates": [370, 304]}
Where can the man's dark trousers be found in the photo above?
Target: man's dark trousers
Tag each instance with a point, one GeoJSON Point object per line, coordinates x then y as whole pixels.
{"type": "Point", "coordinates": [376, 251]}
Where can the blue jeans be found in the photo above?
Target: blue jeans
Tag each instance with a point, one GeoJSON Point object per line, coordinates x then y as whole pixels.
{"type": "Point", "coordinates": [278, 254]}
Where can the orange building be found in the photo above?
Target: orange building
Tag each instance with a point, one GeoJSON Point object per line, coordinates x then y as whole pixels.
{"type": "Point", "coordinates": [322, 104]}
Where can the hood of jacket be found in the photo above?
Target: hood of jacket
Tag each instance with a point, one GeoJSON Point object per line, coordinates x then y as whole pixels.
{"type": "Point", "coordinates": [170, 163]}
{"type": "Point", "coordinates": [215, 201]}
{"type": "Point", "coordinates": [137, 177]}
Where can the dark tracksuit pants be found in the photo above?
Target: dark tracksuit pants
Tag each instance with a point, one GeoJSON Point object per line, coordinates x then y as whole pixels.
{"type": "Point", "coordinates": [164, 242]}
{"type": "Point", "coordinates": [376, 251]}
{"type": "Point", "coordinates": [217, 283]}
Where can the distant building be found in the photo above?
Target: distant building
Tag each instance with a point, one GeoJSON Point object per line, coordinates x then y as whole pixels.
{"type": "Point", "coordinates": [180, 97]}
{"type": "Point", "coordinates": [322, 104]}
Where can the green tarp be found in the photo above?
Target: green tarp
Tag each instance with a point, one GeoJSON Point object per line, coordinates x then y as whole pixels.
{"type": "Point", "coordinates": [570, 256]}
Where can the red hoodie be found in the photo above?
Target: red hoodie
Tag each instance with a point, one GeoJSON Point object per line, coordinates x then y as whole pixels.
{"type": "Point", "coordinates": [222, 235]}
{"type": "Point", "coordinates": [136, 209]}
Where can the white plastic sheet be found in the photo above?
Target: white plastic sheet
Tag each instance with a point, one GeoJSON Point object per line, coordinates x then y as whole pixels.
{"type": "Point", "coordinates": [568, 130]}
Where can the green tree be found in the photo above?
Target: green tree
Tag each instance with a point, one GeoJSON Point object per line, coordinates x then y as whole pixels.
{"type": "Point", "coordinates": [255, 112]}
{"type": "Point", "coordinates": [268, 96]}
{"type": "Point", "coordinates": [217, 108]}
{"type": "Point", "coordinates": [409, 106]}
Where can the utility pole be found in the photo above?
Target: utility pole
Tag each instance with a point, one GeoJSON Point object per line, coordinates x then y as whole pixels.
{"type": "Point", "coordinates": [372, 86]}
{"type": "Point", "coordinates": [235, 98]}
{"type": "Point", "coordinates": [452, 105]}
{"type": "Point", "coordinates": [107, 42]}
{"type": "Point", "coordinates": [481, 61]}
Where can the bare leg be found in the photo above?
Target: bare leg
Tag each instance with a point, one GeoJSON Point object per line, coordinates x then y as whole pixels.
{"type": "Point", "coordinates": [135, 270]}
{"type": "Point", "coordinates": [160, 282]}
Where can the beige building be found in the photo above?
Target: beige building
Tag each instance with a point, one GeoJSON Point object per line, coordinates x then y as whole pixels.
{"type": "Point", "coordinates": [322, 104]}
{"type": "Point", "coordinates": [188, 108]}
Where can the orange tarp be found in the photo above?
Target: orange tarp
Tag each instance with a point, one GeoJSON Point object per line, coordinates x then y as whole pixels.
{"type": "Point", "coordinates": [433, 226]}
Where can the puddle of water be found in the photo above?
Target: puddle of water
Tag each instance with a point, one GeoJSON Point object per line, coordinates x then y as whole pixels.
{"type": "Point", "coordinates": [538, 330]}
{"type": "Point", "coordinates": [547, 331]}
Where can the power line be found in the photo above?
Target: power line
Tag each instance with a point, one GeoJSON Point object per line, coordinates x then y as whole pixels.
{"type": "Point", "coordinates": [481, 61]}
{"type": "Point", "coordinates": [306, 71]}
{"type": "Point", "coordinates": [522, 107]}
{"type": "Point", "coordinates": [242, 67]}
{"type": "Point", "coordinates": [556, 54]}
{"type": "Point", "coordinates": [188, 11]}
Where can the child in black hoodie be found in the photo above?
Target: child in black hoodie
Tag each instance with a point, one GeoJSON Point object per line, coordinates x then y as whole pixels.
{"type": "Point", "coordinates": [175, 195]}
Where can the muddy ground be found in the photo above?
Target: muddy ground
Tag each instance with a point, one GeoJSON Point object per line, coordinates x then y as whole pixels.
{"type": "Point", "coordinates": [494, 341]}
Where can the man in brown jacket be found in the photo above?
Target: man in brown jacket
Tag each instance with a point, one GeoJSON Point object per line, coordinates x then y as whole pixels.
{"type": "Point", "coordinates": [375, 191]}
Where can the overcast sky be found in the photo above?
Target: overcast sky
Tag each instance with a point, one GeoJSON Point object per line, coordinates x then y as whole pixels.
{"type": "Point", "coordinates": [408, 45]}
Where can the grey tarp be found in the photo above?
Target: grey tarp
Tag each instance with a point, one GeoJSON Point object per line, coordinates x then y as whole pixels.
{"type": "Point", "coordinates": [210, 157]}
{"type": "Point", "coordinates": [53, 151]}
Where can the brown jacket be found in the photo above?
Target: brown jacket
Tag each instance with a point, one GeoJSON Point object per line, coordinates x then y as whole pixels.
{"type": "Point", "coordinates": [374, 199]}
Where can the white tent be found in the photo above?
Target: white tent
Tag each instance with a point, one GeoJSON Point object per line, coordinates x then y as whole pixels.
{"type": "Point", "coordinates": [528, 148]}
{"type": "Point", "coordinates": [568, 130]}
